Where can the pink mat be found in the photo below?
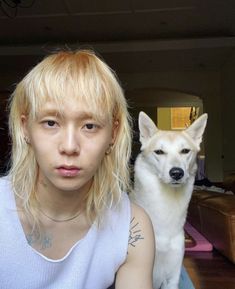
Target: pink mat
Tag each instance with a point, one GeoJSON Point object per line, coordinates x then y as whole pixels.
{"type": "Point", "coordinates": [201, 242]}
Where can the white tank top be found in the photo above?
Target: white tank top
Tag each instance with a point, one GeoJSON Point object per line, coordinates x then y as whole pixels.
{"type": "Point", "coordinates": [90, 264]}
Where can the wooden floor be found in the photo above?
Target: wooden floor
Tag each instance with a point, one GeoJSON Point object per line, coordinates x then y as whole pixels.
{"type": "Point", "coordinates": [210, 270]}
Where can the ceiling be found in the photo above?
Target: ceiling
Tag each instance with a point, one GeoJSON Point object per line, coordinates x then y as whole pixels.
{"type": "Point", "coordinates": [132, 35]}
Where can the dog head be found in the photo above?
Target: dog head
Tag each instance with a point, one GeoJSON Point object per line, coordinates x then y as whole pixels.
{"type": "Point", "coordinates": [171, 155]}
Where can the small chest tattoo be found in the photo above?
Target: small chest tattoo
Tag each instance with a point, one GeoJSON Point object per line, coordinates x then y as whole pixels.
{"type": "Point", "coordinates": [44, 241]}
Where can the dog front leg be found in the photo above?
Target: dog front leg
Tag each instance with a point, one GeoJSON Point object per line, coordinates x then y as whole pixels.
{"type": "Point", "coordinates": [173, 282]}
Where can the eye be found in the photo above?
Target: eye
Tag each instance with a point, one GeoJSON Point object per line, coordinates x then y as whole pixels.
{"type": "Point", "coordinates": [185, 151]}
{"type": "Point", "coordinates": [49, 123]}
{"type": "Point", "coordinates": [90, 127]}
{"type": "Point", "coordinates": [159, 152]}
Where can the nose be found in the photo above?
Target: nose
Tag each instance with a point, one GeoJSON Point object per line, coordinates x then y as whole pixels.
{"type": "Point", "coordinates": [176, 173]}
{"type": "Point", "coordinates": [69, 142]}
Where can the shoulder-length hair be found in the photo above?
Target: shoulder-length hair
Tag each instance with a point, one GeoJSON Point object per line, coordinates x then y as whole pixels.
{"type": "Point", "coordinates": [84, 76]}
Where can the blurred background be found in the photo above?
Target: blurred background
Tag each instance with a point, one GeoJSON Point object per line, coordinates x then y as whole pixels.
{"type": "Point", "coordinates": [174, 58]}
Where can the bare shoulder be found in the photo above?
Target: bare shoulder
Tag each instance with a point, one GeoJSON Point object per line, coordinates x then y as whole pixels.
{"type": "Point", "coordinates": [137, 271]}
{"type": "Point", "coordinates": [139, 211]}
{"type": "Point", "coordinates": [141, 229]}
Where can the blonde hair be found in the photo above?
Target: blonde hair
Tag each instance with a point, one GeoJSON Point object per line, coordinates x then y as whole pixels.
{"type": "Point", "coordinates": [84, 76]}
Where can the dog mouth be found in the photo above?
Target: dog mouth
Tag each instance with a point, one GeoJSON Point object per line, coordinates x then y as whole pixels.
{"type": "Point", "coordinates": [178, 182]}
{"type": "Point", "coordinates": [174, 183]}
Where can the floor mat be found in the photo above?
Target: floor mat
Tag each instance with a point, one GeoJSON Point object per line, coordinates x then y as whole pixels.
{"type": "Point", "coordinates": [196, 240]}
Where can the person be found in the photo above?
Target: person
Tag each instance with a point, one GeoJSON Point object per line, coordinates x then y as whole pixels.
{"type": "Point", "coordinates": [65, 217]}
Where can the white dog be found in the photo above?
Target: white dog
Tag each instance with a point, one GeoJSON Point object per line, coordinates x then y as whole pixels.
{"type": "Point", "coordinates": [164, 177]}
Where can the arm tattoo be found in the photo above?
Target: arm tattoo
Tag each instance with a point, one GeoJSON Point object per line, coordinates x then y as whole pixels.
{"type": "Point", "coordinates": [134, 233]}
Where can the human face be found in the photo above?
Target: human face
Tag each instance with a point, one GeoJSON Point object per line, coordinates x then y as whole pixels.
{"type": "Point", "coordinates": [69, 145]}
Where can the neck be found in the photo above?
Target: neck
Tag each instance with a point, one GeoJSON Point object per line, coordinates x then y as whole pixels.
{"type": "Point", "coordinates": [60, 204]}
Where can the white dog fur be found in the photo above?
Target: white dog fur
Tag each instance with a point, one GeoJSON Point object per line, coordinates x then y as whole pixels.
{"type": "Point", "coordinates": [164, 177]}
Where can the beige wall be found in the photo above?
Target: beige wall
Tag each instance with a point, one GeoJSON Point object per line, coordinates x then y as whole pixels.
{"type": "Point", "coordinates": [164, 118]}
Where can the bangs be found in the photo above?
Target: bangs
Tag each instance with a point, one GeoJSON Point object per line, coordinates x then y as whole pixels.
{"type": "Point", "coordinates": [64, 76]}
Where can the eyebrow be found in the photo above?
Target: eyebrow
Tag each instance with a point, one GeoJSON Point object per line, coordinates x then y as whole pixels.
{"type": "Point", "coordinates": [81, 115]}
{"type": "Point", "coordinates": [43, 112]}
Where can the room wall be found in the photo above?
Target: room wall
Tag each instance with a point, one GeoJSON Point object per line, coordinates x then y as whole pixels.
{"type": "Point", "coordinates": [228, 104]}
{"type": "Point", "coordinates": [204, 84]}
{"type": "Point", "coordinates": [8, 79]}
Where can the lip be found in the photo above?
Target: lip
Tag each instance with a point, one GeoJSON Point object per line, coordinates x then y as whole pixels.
{"type": "Point", "coordinates": [68, 171]}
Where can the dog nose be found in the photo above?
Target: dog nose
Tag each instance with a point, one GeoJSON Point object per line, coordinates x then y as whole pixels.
{"type": "Point", "coordinates": [176, 173]}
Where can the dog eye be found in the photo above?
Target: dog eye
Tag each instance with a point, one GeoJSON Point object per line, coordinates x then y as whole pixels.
{"type": "Point", "coordinates": [185, 151]}
{"type": "Point", "coordinates": [159, 152]}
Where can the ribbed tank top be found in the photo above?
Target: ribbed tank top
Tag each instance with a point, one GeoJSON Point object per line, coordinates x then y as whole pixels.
{"type": "Point", "coordinates": [90, 264]}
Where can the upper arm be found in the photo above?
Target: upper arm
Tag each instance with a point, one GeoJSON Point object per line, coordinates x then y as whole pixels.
{"type": "Point", "coordinates": [136, 272]}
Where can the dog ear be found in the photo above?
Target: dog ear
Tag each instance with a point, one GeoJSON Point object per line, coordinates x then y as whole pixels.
{"type": "Point", "coordinates": [196, 129]}
{"type": "Point", "coordinates": [146, 126]}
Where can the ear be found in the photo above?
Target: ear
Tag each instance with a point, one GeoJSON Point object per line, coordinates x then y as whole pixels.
{"type": "Point", "coordinates": [24, 124]}
{"type": "Point", "coordinates": [197, 128]}
{"type": "Point", "coordinates": [115, 129]}
{"type": "Point", "coordinates": [146, 126]}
